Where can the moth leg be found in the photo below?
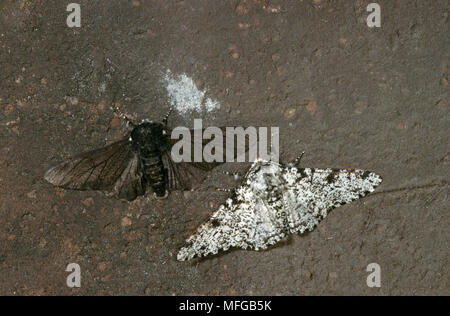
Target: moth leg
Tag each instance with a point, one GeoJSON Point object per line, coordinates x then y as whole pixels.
{"type": "Point", "coordinates": [161, 197]}
{"type": "Point", "coordinates": [111, 63]}
{"type": "Point", "coordinates": [166, 117]}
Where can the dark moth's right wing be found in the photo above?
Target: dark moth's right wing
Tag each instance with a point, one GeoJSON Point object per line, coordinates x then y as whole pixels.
{"type": "Point", "coordinates": [190, 175]}
{"type": "Point", "coordinates": [113, 168]}
{"type": "Point", "coordinates": [186, 175]}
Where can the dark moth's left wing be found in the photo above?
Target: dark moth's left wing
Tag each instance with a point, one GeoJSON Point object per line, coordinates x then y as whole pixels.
{"type": "Point", "coordinates": [113, 168]}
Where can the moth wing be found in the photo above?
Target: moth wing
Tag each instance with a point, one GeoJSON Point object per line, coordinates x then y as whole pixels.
{"type": "Point", "coordinates": [244, 221]}
{"type": "Point", "coordinates": [313, 193]}
{"type": "Point", "coordinates": [110, 168]}
{"type": "Point", "coordinates": [236, 224]}
{"type": "Point", "coordinates": [190, 175]}
{"type": "Point", "coordinates": [330, 188]}
{"type": "Point", "coordinates": [130, 185]}
{"type": "Point", "coordinates": [186, 175]}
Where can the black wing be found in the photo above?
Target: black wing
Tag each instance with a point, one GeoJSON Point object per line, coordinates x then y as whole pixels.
{"type": "Point", "coordinates": [190, 175]}
{"type": "Point", "coordinates": [114, 168]}
{"type": "Point", "coordinates": [186, 175]}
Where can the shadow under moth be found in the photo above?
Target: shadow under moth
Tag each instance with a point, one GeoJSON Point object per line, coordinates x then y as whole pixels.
{"type": "Point", "coordinates": [273, 201]}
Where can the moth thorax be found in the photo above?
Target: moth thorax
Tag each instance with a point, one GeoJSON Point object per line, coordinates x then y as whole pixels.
{"type": "Point", "coordinates": [149, 139]}
{"type": "Point", "coordinates": [266, 182]}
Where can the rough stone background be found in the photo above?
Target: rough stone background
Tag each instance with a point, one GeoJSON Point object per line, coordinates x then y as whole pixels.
{"type": "Point", "coordinates": [348, 95]}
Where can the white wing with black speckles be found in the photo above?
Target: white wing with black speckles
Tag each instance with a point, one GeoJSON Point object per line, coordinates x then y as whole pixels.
{"type": "Point", "coordinates": [275, 201]}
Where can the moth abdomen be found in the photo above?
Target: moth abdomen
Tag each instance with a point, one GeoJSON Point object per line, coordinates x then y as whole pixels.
{"type": "Point", "coordinates": [155, 175]}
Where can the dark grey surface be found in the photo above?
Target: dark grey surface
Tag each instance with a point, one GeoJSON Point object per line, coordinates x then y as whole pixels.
{"type": "Point", "coordinates": [350, 96]}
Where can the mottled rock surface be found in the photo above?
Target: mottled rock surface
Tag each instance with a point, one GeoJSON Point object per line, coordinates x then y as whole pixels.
{"type": "Point", "coordinates": [347, 95]}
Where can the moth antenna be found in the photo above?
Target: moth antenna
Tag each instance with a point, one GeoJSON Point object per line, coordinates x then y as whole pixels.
{"type": "Point", "coordinates": [297, 160]}
{"type": "Point", "coordinates": [208, 189]}
{"type": "Point", "coordinates": [236, 175]}
{"type": "Point", "coordinates": [124, 117]}
{"type": "Point", "coordinates": [166, 117]}
{"type": "Point", "coordinates": [224, 190]}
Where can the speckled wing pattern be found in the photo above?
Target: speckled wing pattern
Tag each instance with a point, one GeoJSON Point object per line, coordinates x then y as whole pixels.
{"type": "Point", "coordinates": [274, 201]}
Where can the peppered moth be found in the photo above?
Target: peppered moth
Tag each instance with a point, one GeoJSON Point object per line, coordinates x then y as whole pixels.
{"type": "Point", "coordinates": [125, 169]}
{"type": "Point", "coordinates": [276, 200]}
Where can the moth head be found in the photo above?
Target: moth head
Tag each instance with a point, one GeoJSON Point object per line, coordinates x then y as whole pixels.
{"type": "Point", "coordinates": [149, 138]}
{"type": "Point", "coordinates": [265, 178]}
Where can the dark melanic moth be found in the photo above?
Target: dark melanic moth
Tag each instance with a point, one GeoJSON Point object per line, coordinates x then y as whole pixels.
{"type": "Point", "coordinates": [125, 169]}
{"type": "Point", "coordinates": [274, 201]}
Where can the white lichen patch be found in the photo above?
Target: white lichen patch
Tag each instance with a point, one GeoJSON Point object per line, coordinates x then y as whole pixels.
{"type": "Point", "coordinates": [184, 95]}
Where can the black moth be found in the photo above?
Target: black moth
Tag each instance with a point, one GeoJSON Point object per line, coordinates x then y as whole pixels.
{"type": "Point", "coordinates": [128, 167]}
